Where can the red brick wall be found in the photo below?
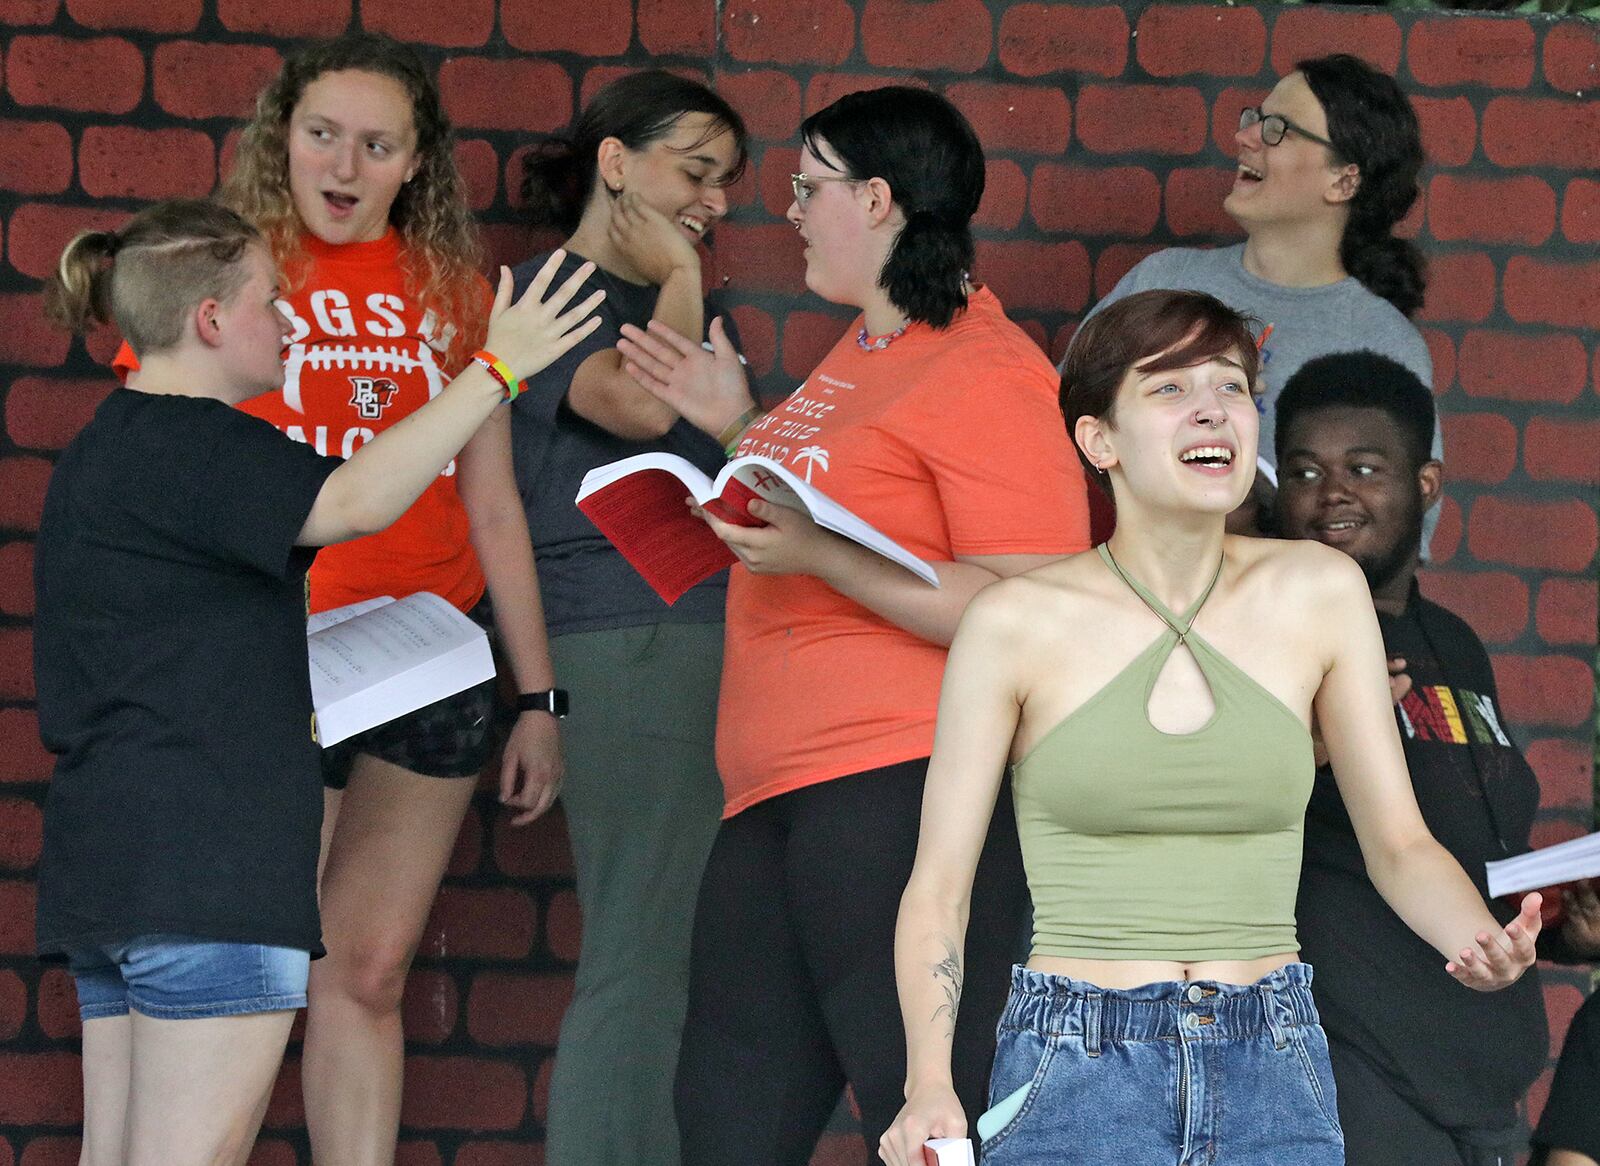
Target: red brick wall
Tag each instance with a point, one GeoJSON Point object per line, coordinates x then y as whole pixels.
{"type": "Point", "coordinates": [1107, 128]}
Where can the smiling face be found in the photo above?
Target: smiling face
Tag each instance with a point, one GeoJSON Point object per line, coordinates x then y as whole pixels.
{"type": "Point", "coordinates": [684, 175]}
{"type": "Point", "coordinates": [352, 145]}
{"type": "Point", "coordinates": [252, 329]}
{"type": "Point", "coordinates": [1296, 180]}
{"type": "Point", "coordinates": [1346, 479]}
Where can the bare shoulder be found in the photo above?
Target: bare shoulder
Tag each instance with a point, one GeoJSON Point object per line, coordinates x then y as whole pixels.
{"type": "Point", "coordinates": [1298, 570]}
{"type": "Point", "coordinates": [1019, 609]}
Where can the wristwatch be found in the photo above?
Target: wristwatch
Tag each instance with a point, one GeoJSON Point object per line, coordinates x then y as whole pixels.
{"type": "Point", "coordinates": [551, 700]}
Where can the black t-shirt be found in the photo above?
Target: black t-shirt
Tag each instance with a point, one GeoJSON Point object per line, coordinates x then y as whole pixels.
{"type": "Point", "coordinates": [170, 660]}
{"type": "Point", "coordinates": [1463, 1057]}
{"type": "Point", "coordinates": [1571, 1119]}
{"type": "Point", "coordinates": [584, 582]}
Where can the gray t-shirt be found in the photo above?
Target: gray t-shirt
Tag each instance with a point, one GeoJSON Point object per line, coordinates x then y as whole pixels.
{"type": "Point", "coordinates": [585, 584]}
{"type": "Point", "coordinates": [1306, 322]}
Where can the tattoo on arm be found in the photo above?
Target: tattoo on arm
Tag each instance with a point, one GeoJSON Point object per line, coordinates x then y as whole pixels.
{"type": "Point", "coordinates": [947, 974]}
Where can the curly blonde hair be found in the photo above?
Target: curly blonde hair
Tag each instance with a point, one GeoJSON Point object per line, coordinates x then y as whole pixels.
{"type": "Point", "coordinates": [442, 252]}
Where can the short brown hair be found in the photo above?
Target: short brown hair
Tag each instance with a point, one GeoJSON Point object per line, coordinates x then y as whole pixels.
{"type": "Point", "coordinates": [1151, 331]}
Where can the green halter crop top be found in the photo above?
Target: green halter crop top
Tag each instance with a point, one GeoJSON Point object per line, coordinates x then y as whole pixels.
{"type": "Point", "coordinates": [1141, 844]}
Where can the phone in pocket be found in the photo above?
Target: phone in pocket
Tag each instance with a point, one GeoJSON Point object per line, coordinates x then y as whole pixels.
{"type": "Point", "coordinates": [992, 1121]}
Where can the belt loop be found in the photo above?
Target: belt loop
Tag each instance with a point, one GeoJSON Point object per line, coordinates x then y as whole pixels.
{"type": "Point", "coordinates": [1091, 1023]}
{"type": "Point", "coordinates": [1275, 1023]}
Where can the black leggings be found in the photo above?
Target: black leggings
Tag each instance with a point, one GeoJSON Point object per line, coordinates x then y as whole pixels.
{"type": "Point", "coordinates": [791, 981]}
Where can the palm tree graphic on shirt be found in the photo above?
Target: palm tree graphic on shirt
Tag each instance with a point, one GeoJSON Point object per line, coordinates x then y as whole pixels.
{"type": "Point", "coordinates": [813, 454]}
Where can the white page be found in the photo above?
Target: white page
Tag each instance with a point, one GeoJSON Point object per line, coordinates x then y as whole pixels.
{"type": "Point", "coordinates": [1565, 862]}
{"type": "Point", "coordinates": [317, 621]}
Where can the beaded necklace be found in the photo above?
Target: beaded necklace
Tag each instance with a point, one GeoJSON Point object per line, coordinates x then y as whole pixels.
{"type": "Point", "coordinates": [879, 343]}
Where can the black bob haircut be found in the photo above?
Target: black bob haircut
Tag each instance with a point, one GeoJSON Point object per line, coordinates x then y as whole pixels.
{"type": "Point", "coordinates": [1359, 380]}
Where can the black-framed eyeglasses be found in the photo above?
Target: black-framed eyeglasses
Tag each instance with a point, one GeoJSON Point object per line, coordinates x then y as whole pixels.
{"type": "Point", "coordinates": [1274, 126]}
{"type": "Point", "coordinates": [803, 184]}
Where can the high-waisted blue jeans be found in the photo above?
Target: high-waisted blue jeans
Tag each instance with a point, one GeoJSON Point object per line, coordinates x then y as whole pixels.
{"type": "Point", "coordinates": [1170, 1074]}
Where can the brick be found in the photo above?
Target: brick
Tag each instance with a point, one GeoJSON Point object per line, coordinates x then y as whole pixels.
{"type": "Point", "coordinates": [1545, 690]}
{"type": "Point", "coordinates": [480, 171]}
{"type": "Point", "coordinates": [102, 74]}
{"type": "Point", "coordinates": [825, 88]}
{"type": "Point", "coordinates": [154, 16]}
{"type": "Point", "coordinates": [774, 186]}
{"type": "Point", "coordinates": [1482, 447]}
{"type": "Point", "coordinates": [15, 12]}
{"type": "Point", "coordinates": [1449, 128]}
{"type": "Point", "coordinates": [598, 28]}
{"type": "Point", "coordinates": [1460, 287]}
{"type": "Point", "coordinates": [17, 904]}
{"type": "Point", "coordinates": [286, 18]}
{"type": "Point", "coordinates": [16, 664]}
{"type": "Point", "coordinates": [499, 1154]}
{"type": "Point", "coordinates": [1095, 200]}
{"type": "Point", "coordinates": [22, 485]}
{"type": "Point", "coordinates": [1045, 276]}
{"type": "Point", "coordinates": [563, 926]}
{"type": "Point", "coordinates": [22, 756]}
{"type": "Point", "coordinates": [1518, 209]}
{"type": "Point", "coordinates": [1523, 366]}
{"type": "Point", "coordinates": [430, 1006]}
{"type": "Point", "coordinates": [56, 1006]}
{"type": "Point", "coordinates": [1572, 56]}
{"type": "Point", "coordinates": [482, 922]}
{"type": "Point", "coordinates": [1156, 119]}
{"type": "Point", "coordinates": [537, 850]}
{"type": "Point", "coordinates": [758, 338]}
{"type": "Point", "coordinates": [953, 35]}
{"type": "Point", "coordinates": [1447, 535]}
{"type": "Point", "coordinates": [463, 24]}
{"type": "Point", "coordinates": [1563, 767]}
{"type": "Point", "coordinates": [1561, 1003]}
{"type": "Point", "coordinates": [1115, 261]}
{"type": "Point", "coordinates": [598, 77]}
{"type": "Point", "coordinates": [16, 578]}
{"type": "Point", "coordinates": [40, 1089]}
{"type": "Point", "coordinates": [1005, 195]}
{"type": "Point", "coordinates": [789, 32]}
{"type": "Point", "coordinates": [1034, 119]}
{"type": "Point", "coordinates": [1194, 202]}
{"type": "Point", "coordinates": [1525, 132]}
{"type": "Point", "coordinates": [1035, 331]}
{"type": "Point", "coordinates": [474, 90]}
{"type": "Point", "coordinates": [13, 1004]}
{"type": "Point", "coordinates": [1411, 225]}
{"type": "Point", "coordinates": [761, 257]}
{"type": "Point", "coordinates": [1552, 536]}
{"type": "Point", "coordinates": [285, 1104]}
{"type": "Point", "coordinates": [1225, 116]}
{"type": "Point", "coordinates": [419, 1153]}
{"type": "Point", "coordinates": [41, 231]}
{"type": "Point", "coordinates": [129, 162]}
{"type": "Point", "coordinates": [1471, 50]}
{"type": "Point", "coordinates": [28, 338]}
{"type": "Point", "coordinates": [807, 337]}
{"type": "Point", "coordinates": [1060, 341]}
{"type": "Point", "coordinates": [37, 158]}
{"type": "Point", "coordinates": [1558, 449]}
{"type": "Point", "coordinates": [52, 1151]}
{"type": "Point", "coordinates": [1567, 611]}
{"type": "Point", "coordinates": [769, 101]}
{"type": "Point", "coordinates": [686, 27]}
{"type": "Point", "coordinates": [1041, 39]}
{"type": "Point", "coordinates": [839, 1149]}
{"type": "Point", "coordinates": [1442, 354]}
{"type": "Point", "coordinates": [512, 1009]}
{"type": "Point", "coordinates": [467, 855]}
{"type": "Point", "coordinates": [1494, 603]}
{"type": "Point", "coordinates": [470, 1093]}
{"type": "Point", "coordinates": [195, 79]}
{"type": "Point", "coordinates": [272, 1152]}
{"type": "Point", "coordinates": [1302, 33]}
{"type": "Point", "coordinates": [1175, 41]}
{"type": "Point", "coordinates": [1580, 211]}
{"type": "Point", "coordinates": [21, 833]}
{"type": "Point", "coordinates": [1566, 295]}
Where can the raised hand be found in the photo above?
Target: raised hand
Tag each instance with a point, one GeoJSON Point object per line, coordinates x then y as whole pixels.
{"type": "Point", "coordinates": [1497, 959]}
{"type": "Point", "coordinates": [533, 332]}
{"type": "Point", "coordinates": [708, 389]}
{"type": "Point", "coordinates": [1582, 928]}
{"type": "Point", "coordinates": [650, 241]}
{"type": "Point", "coordinates": [929, 1112]}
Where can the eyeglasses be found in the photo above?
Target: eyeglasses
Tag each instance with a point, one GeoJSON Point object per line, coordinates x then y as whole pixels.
{"type": "Point", "coordinates": [803, 184]}
{"type": "Point", "coordinates": [1274, 126]}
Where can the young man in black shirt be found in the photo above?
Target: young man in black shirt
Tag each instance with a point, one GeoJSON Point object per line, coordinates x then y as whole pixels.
{"type": "Point", "coordinates": [1427, 1074]}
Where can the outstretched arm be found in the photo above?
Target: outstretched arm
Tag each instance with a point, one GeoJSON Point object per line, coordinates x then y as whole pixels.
{"type": "Point", "coordinates": [978, 712]}
{"type": "Point", "coordinates": [1416, 876]}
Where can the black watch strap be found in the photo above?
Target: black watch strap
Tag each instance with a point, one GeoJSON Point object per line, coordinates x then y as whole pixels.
{"type": "Point", "coordinates": [551, 700]}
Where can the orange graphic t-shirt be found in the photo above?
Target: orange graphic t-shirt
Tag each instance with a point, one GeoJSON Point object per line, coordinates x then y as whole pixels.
{"type": "Point", "coordinates": [951, 443]}
{"type": "Point", "coordinates": [362, 354]}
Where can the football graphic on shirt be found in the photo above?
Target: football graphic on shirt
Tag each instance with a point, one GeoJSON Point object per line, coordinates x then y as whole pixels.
{"type": "Point", "coordinates": [373, 361]}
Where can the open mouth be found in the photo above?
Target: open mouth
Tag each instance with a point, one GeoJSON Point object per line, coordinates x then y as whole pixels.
{"type": "Point", "coordinates": [1210, 457]}
{"type": "Point", "coordinates": [1338, 531]}
{"type": "Point", "coordinates": [1249, 174]}
{"type": "Point", "coordinates": [339, 204]}
{"type": "Point", "coordinates": [696, 227]}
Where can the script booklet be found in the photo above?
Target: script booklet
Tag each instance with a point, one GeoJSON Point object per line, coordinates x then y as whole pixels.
{"type": "Point", "coordinates": [947, 1152]}
{"type": "Point", "coordinates": [1548, 866]}
{"type": "Point", "coordinates": [638, 504]}
{"type": "Point", "coordinates": [382, 658]}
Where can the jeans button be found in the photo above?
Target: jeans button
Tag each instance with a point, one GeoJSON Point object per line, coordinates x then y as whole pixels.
{"type": "Point", "coordinates": [1194, 994]}
{"type": "Point", "coordinates": [1191, 1021]}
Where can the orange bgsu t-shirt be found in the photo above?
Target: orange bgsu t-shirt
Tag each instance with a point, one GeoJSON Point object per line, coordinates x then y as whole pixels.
{"type": "Point", "coordinates": [952, 444]}
{"type": "Point", "coordinates": [361, 355]}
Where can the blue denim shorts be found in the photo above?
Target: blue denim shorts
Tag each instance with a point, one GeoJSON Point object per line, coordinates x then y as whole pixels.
{"type": "Point", "coordinates": [1188, 1073]}
{"type": "Point", "coordinates": [177, 977]}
